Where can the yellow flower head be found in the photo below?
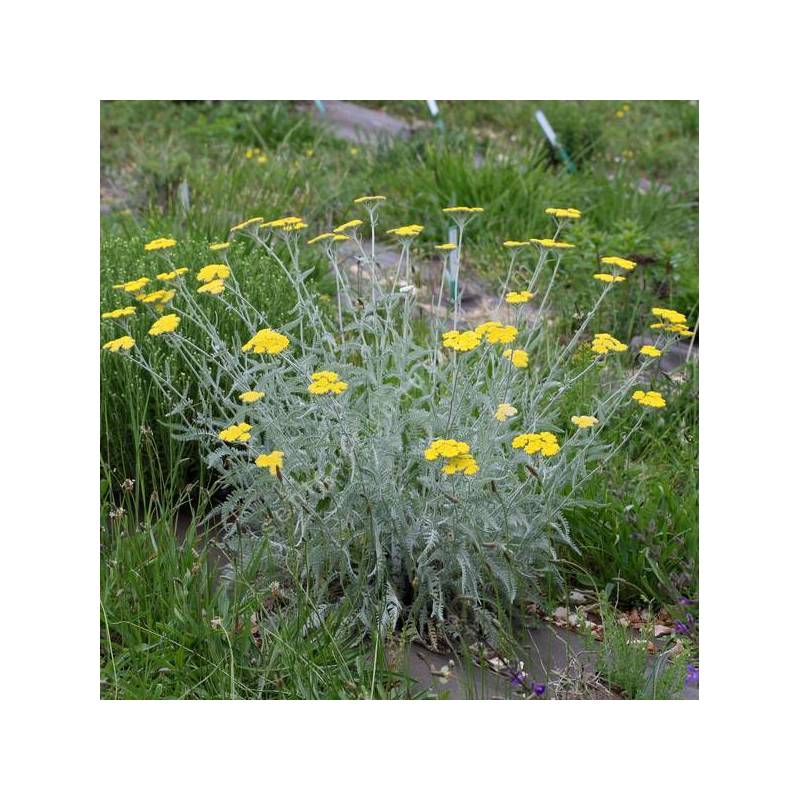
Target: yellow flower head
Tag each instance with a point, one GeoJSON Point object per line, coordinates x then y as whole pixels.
{"type": "Point", "coordinates": [463, 210]}
{"type": "Point", "coordinates": [446, 246]}
{"type": "Point", "coordinates": [369, 199]}
{"type": "Point", "coordinates": [242, 225]}
{"type": "Point", "coordinates": [461, 341]}
{"type": "Point", "coordinates": [250, 397]}
{"type": "Point", "coordinates": [159, 296]}
{"type": "Point", "coordinates": [649, 350]}
{"type": "Point", "coordinates": [266, 341]}
{"type": "Point", "coordinates": [563, 213]}
{"type": "Point", "coordinates": [123, 343]}
{"type": "Point", "coordinates": [353, 223]}
{"type": "Point", "coordinates": [133, 286]}
{"type": "Point", "coordinates": [675, 317]}
{"type": "Point", "coordinates": [678, 327]}
{"type": "Point", "coordinates": [518, 297]}
{"type": "Point", "coordinates": [236, 433]}
{"type": "Point", "coordinates": [321, 238]}
{"type": "Point", "coordinates": [212, 287]}
{"type": "Point", "coordinates": [505, 411]}
{"type": "Point", "coordinates": [326, 382]}
{"type": "Point", "coordinates": [212, 272]}
{"type": "Point", "coordinates": [272, 461]}
{"type": "Point", "coordinates": [466, 464]}
{"type": "Point", "coordinates": [544, 443]}
{"type": "Point", "coordinates": [485, 327]}
{"type": "Point", "coordinates": [519, 358]}
{"type": "Point", "coordinates": [169, 276]}
{"type": "Point", "coordinates": [407, 231]}
{"type": "Point", "coordinates": [166, 324]}
{"type": "Point", "coordinates": [608, 278]}
{"type": "Point", "coordinates": [501, 334]}
{"type": "Point", "coordinates": [605, 343]}
{"type": "Point", "coordinates": [285, 224]}
{"type": "Point", "coordinates": [616, 261]}
{"type": "Point", "coordinates": [584, 422]}
{"type": "Point", "coordinates": [446, 448]}
{"type": "Point", "coordinates": [552, 244]}
{"type": "Point", "coordinates": [219, 246]}
{"type": "Point", "coordinates": [119, 312]}
{"type": "Point", "coordinates": [652, 399]}
{"type": "Point", "coordinates": [513, 244]}
{"type": "Point", "coordinates": [160, 244]}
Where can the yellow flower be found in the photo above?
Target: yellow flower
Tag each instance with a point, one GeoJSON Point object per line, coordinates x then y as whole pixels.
{"type": "Point", "coordinates": [333, 237]}
{"type": "Point", "coordinates": [544, 443]}
{"type": "Point", "coordinates": [463, 342]}
{"type": "Point", "coordinates": [604, 343]}
{"type": "Point", "coordinates": [466, 464]}
{"type": "Point", "coordinates": [563, 213]}
{"type": "Point", "coordinates": [286, 224]}
{"type": "Point", "coordinates": [679, 327]}
{"type": "Point", "coordinates": [652, 399]}
{"type": "Point", "coordinates": [447, 246]}
{"type": "Point", "coordinates": [519, 358]}
{"type": "Point", "coordinates": [161, 296]}
{"type": "Point", "coordinates": [212, 271]}
{"type": "Point", "coordinates": [584, 422]}
{"type": "Point", "coordinates": [212, 287]}
{"type": "Point", "coordinates": [607, 278]}
{"type": "Point", "coordinates": [649, 350]}
{"type": "Point", "coordinates": [262, 159]}
{"type": "Point", "coordinates": [369, 198]}
{"type": "Point", "coordinates": [353, 223]}
{"type": "Point", "coordinates": [463, 210]}
{"type": "Point", "coordinates": [505, 411]}
{"type": "Point", "coordinates": [242, 225]}
{"type": "Point", "coordinates": [675, 317]}
{"type": "Point", "coordinates": [236, 433]}
{"type": "Point", "coordinates": [501, 334]}
{"type": "Point", "coordinates": [309, 153]}
{"type": "Point", "coordinates": [273, 461]}
{"type": "Point", "coordinates": [616, 261]}
{"type": "Point", "coordinates": [165, 324]}
{"type": "Point", "coordinates": [219, 246]}
{"type": "Point", "coordinates": [552, 244]}
{"type": "Point", "coordinates": [518, 297]}
{"type": "Point", "coordinates": [512, 243]}
{"type": "Point", "coordinates": [485, 327]}
{"type": "Point", "coordinates": [326, 382]}
{"type": "Point", "coordinates": [160, 244]}
{"type": "Point", "coordinates": [445, 448]}
{"type": "Point", "coordinates": [168, 276]}
{"type": "Point", "coordinates": [250, 397]}
{"type": "Point", "coordinates": [407, 231]}
{"type": "Point", "coordinates": [119, 312]}
{"type": "Point", "coordinates": [267, 341]}
{"type": "Point", "coordinates": [123, 343]}
{"type": "Point", "coordinates": [133, 286]}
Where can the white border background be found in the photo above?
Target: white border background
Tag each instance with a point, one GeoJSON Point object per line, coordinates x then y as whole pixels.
{"type": "Point", "coordinates": [59, 60]}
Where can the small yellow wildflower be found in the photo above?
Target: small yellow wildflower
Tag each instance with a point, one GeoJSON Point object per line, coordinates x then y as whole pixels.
{"type": "Point", "coordinates": [501, 334]}
{"type": "Point", "coordinates": [675, 317]}
{"type": "Point", "coordinates": [285, 224]}
{"type": "Point", "coordinates": [369, 198]}
{"type": "Point", "coordinates": [544, 443]}
{"type": "Point", "coordinates": [446, 246]}
{"type": "Point", "coordinates": [262, 159]}
{"type": "Point", "coordinates": [679, 327]}
{"type": "Point", "coordinates": [519, 358]}
{"type": "Point", "coordinates": [584, 421]}
{"type": "Point", "coordinates": [266, 341]}
{"type": "Point", "coordinates": [649, 350]}
{"type": "Point", "coordinates": [213, 271]}
{"type": "Point", "coordinates": [652, 399]}
{"type": "Point", "coordinates": [242, 225]}
{"type": "Point", "coordinates": [616, 261]}
{"type": "Point", "coordinates": [169, 276]}
{"type": "Point", "coordinates": [326, 382]}
{"type": "Point", "coordinates": [161, 296]}
{"type": "Point", "coordinates": [236, 433]}
{"type": "Point", "coordinates": [563, 213]}
{"type": "Point", "coordinates": [160, 244]}
{"type": "Point", "coordinates": [353, 223]}
{"type": "Point", "coordinates": [463, 210]}
{"type": "Point", "coordinates": [272, 461]}
{"type": "Point", "coordinates": [407, 231]}
{"type": "Point", "coordinates": [321, 238]}
{"type": "Point", "coordinates": [505, 411]}
{"type": "Point", "coordinates": [604, 343]}
{"type": "Point", "coordinates": [219, 246]}
{"type": "Point", "coordinates": [605, 277]}
{"type": "Point", "coordinates": [445, 448]}
{"type": "Point", "coordinates": [133, 286]}
{"type": "Point", "coordinates": [552, 244]}
{"type": "Point", "coordinates": [123, 343]}
{"type": "Point", "coordinates": [518, 297]}
{"type": "Point", "coordinates": [513, 243]}
{"type": "Point", "coordinates": [466, 464]}
{"type": "Point", "coordinates": [212, 287]}
{"type": "Point", "coordinates": [485, 327]}
{"type": "Point", "coordinates": [166, 324]}
{"type": "Point", "coordinates": [119, 312]}
{"type": "Point", "coordinates": [463, 342]}
{"type": "Point", "coordinates": [250, 397]}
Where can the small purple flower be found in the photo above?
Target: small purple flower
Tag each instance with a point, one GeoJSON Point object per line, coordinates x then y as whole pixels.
{"type": "Point", "coordinates": [685, 601]}
{"type": "Point", "coordinates": [692, 674]}
{"type": "Point", "coordinates": [539, 689]}
{"type": "Point", "coordinates": [518, 679]}
{"type": "Point", "coordinates": [681, 628]}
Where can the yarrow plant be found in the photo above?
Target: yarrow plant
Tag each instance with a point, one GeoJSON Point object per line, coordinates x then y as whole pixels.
{"type": "Point", "coordinates": [410, 477]}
